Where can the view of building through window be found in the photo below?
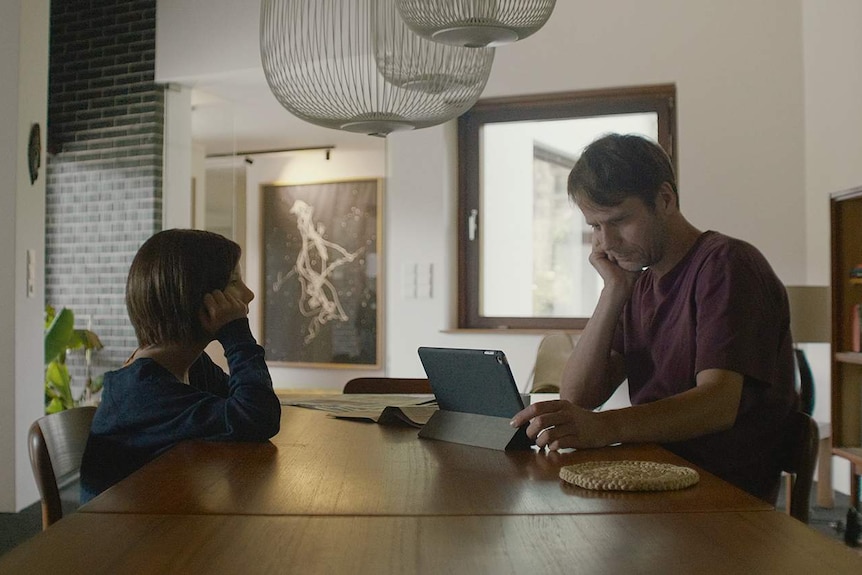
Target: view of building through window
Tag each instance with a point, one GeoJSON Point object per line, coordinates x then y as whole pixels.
{"type": "Point", "coordinates": [557, 234]}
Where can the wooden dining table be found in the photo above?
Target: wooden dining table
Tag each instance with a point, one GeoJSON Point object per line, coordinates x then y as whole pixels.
{"type": "Point", "coordinates": [330, 495]}
{"type": "Point", "coordinates": [731, 543]}
{"type": "Point", "coordinates": [318, 465]}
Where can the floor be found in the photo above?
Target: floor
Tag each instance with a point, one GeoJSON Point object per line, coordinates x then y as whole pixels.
{"type": "Point", "coordinates": [16, 528]}
{"type": "Point", "coordinates": [830, 522]}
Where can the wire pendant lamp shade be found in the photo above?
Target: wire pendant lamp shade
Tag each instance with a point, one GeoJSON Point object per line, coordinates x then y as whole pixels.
{"type": "Point", "coordinates": [354, 65]}
{"type": "Point", "coordinates": [475, 23]}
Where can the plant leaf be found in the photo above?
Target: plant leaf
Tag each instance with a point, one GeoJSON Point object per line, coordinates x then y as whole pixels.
{"type": "Point", "coordinates": [86, 339]}
{"type": "Point", "coordinates": [50, 312]}
{"type": "Point", "coordinates": [58, 383]}
{"type": "Point", "coordinates": [58, 334]}
{"type": "Point", "coordinates": [54, 406]}
{"type": "Point", "coordinates": [96, 383]}
{"type": "Point", "coordinates": [57, 374]}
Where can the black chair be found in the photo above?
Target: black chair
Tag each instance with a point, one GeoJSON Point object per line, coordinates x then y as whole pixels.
{"type": "Point", "coordinates": [799, 457]}
{"type": "Point", "coordinates": [807, 397]}
{"type": "Point", "coordinates": [806, 382]}
{"type": "Point", "coordinates": [57, 443]}
{"type": "Point", "coordinates": [387, 385]}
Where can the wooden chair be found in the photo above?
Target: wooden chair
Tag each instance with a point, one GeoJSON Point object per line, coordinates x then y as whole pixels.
{"type": "Point", "coordinates": [551, 357]}
{"type": "Point", "coordinates": [799, 460]}
{"type": "Point", "coordinates": [387, 385]}
{"type": "Point", "coordinates": [57, 443]}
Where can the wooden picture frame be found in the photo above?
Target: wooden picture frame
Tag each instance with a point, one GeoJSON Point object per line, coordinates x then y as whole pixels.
{"type": "Point", "coordinates": [321, 255]}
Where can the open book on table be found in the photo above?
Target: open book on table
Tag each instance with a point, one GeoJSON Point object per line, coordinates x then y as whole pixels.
{"type": "Point", "coordinates": [385, 409]}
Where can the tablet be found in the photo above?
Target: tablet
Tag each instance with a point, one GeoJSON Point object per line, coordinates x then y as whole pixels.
{"type": "Point", "coordinates": [472, 381]}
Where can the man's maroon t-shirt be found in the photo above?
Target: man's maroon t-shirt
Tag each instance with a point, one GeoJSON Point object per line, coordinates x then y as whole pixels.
{"type": "Point", "coordinates": [721, 307]}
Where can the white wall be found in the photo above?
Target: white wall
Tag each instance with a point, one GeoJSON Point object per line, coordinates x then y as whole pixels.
{"type": "Point", "coordinates": [10, 141]}
{"type": "Point", "coordinates": [177, 203]}
{"type": "Point", "coordinates": [195, 31]}
{"type": "Point", "coordinates": [24, 61]}
{"type": "Point", "coordinates": [833, 117]}
{"type": "Point", "coordinates": [222, 196]}
{"type": "Point", "coordinates": [199, 177]}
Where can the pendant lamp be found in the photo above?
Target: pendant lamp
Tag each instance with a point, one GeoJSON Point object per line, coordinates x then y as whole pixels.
{"type": "Point", "coordinates": [354, 65]}
{"type": "Point", "coordinates": [475, 23]}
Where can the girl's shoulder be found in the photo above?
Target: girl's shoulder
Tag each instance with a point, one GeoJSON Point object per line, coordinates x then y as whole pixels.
{"type": "Point", "coordinates": [143, 371]}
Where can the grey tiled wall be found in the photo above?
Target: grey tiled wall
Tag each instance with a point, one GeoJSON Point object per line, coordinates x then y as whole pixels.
{"type": "Point", "coordinates": [104, 169]}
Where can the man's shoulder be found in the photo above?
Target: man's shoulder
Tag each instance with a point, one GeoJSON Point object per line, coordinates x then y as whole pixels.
{"type": "Point", "coordinates": [712, 240]}
{"type": "Point", "coordinates": [715, 245]}
{"type": "Point", "coordinates": [725, 259]}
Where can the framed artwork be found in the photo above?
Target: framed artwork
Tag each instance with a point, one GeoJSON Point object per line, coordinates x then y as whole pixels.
{"type": "Point", "coordinates": [321, 249]}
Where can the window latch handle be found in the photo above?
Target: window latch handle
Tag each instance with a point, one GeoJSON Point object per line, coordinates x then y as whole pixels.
{"type": "Point", "coordinates": [472, 223]}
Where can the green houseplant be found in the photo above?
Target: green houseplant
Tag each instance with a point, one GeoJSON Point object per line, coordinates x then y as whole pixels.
{"type": "Point", "coordinates": [60, 338]}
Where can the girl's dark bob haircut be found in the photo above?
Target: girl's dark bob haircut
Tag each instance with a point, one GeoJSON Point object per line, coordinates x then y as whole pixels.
{"type": "Point", "coordinates": [168, 279]}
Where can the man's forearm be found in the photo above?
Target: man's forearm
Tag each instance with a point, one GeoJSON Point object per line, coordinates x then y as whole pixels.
{"type": "Point", "coordinates": [708, 408]}
{"type": "Point", "coordinates": [589, 377]}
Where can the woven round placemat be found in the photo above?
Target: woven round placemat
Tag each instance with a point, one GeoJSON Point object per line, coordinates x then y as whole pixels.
{"type": "Point", "coordinates": [629, 476]}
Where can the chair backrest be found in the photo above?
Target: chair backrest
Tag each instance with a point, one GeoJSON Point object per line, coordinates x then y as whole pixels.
{"type": "Point", "coordinates": [799, 459]}
{"type": "Point", "coordinates": [551, 357]}
{"type": "Point", "coordinates": [57, 443]}
{"type": "Point", "coordinates": [387, 385]}
{"type": "Point", "coordinates": [806, 382]}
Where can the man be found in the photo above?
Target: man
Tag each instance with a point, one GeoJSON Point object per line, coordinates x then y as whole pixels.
{"type": "Point", "coordinates": [696, 321]}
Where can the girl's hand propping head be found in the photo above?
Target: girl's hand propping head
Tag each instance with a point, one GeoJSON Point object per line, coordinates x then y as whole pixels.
{"type": "Point", "coordinates": [221, 307]}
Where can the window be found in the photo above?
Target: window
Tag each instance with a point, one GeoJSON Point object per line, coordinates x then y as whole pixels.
{"type": "Point", "coordinates": [523, 247]}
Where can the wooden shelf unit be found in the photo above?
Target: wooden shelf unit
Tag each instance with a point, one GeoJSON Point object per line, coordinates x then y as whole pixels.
{"type": "Point", "coordinates": [848, 357]}
{"type": "Point", "coordinates": [846, 224]}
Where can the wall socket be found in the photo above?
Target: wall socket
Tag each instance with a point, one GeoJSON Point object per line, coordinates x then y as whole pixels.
{"type": "Point", "coordinates": [417, 280]}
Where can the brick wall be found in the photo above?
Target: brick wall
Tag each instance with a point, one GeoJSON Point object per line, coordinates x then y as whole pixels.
{"type": "Point", "coordinates": [104, 169]}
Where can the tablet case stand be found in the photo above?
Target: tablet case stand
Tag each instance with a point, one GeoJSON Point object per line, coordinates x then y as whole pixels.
{"type": "Point", "coordinates": [476, 430]}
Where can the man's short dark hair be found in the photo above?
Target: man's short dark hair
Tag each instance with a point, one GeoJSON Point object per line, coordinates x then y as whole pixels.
{"type": "Point", "coordinates": [168, 279]}
{"type": "Point", "coordinates": [618, 166]}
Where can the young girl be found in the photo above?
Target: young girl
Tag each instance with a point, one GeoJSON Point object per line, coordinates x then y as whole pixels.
{"type": "Point", "coordinates": [184, 289]}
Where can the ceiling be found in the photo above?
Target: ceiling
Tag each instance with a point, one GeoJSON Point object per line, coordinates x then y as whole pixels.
{"type": "Point", "coordinates": [236, 113]}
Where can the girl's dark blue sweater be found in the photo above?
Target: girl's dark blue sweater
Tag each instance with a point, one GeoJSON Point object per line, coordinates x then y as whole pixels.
{"type": "Point", "coordinates": [145, 410]}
